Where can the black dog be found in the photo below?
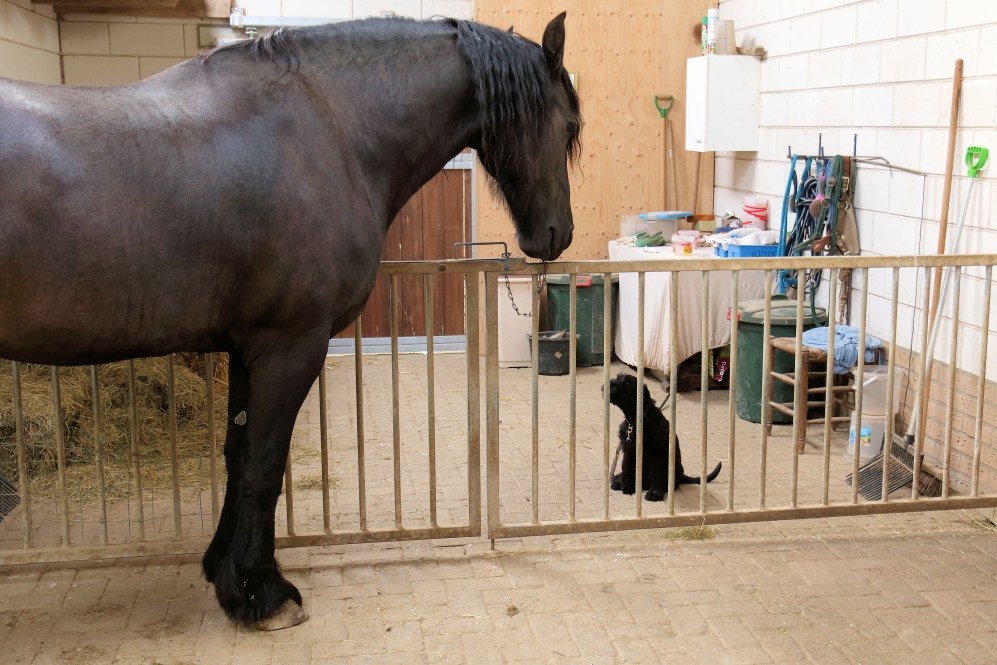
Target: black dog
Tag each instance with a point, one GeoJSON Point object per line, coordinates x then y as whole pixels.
{"type": "Point", "coordinates": [623, 393]}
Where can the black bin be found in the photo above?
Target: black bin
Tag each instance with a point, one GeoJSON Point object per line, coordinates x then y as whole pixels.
{"type": "Point", "coordinates": [555, 352]}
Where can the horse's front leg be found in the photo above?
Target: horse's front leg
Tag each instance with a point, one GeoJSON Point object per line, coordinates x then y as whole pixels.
{"type": "Point", "coordinates": [248, 582]}
{"type": "Point", "coordinates": [235, 450]}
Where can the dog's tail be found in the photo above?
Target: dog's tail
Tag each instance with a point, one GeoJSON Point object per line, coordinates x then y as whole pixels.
{"type": "Point", "coordinates": [694, 480]}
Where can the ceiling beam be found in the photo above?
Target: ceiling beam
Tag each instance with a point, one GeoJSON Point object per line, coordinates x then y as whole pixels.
{"type": "Point", "coordinates": [152, 8]}
{"type": "Point", "coordinates": [118, 4]}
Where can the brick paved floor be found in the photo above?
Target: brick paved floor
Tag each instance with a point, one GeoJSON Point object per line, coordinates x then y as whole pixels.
{"type": "Point", "coordinates": [895, 589]}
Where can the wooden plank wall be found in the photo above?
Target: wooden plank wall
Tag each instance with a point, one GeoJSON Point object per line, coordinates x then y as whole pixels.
{"type": "Point", "coordinates": [624, 52]}
{"type": "Point", "coordinates": [436, 217]}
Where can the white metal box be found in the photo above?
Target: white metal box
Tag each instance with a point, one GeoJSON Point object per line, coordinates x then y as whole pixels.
{"type": "Point", "coordinates": [722, 103]}
{"type": "Point", "coordinates": [514, 348]}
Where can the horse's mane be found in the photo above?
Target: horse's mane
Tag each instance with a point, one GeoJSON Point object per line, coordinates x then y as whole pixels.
{"type": "Point", "coordinates": [512, 86]}
{"type": "Point", "coordinates": [512, 90]}
{"type": "Point", "coordinates": [279, 46]}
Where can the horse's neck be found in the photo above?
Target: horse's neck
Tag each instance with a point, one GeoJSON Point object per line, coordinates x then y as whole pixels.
{"type": "Point", "coordinates": [413, 114]}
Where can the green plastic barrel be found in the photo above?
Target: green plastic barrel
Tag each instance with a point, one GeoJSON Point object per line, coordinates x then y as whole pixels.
{"type": "Point", "coordinates": [750, 333]}
{"type": "Point", "coordinates": [591, 320]}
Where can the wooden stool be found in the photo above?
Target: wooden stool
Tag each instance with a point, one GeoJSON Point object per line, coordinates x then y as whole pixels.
{"type": "Point", "coordinates": [810, 355]}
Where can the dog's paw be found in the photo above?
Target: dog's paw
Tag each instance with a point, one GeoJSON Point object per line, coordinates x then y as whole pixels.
{"type": "Point", "coordinates": [654, 495]}
{"type": "Point", "coordinates": [617, 482]}
{"type": "Point", "coordinates": [627, 487]}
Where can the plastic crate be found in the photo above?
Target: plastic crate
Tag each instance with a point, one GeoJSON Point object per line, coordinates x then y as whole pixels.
{"type": "Point", "coordinates": [752, 251]}
{"type": "Point", "coordinates": [718, 250]}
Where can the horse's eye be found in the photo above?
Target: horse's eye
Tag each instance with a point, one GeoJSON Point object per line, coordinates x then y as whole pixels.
{"type": "Point", "coordinates": [572, 128]}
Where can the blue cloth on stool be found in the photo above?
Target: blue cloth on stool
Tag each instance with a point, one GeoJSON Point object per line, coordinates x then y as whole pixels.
{"type": "Point", "coordinates": [846, 346]}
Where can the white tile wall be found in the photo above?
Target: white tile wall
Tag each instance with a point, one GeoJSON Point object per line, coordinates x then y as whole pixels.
{"type": "Point", "coordinates": [881, 70]}
{"type": "Point", "coordinates": [29, 42]}
{"type": "Point", "coordinates": [124, 49]}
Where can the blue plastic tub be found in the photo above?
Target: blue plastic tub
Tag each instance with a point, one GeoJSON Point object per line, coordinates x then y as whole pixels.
{"type": "Point", "coordinates": [752, 251]}
{"type": "Point", "coordinates": [718, 250]}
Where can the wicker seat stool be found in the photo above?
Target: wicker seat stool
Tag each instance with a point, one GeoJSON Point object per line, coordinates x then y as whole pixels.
{"type": "Point", "coordinates": [814, 396]}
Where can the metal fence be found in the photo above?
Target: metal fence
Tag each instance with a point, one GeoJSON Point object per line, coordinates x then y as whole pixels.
{"type": "Point", "coordinates": [734, 507]}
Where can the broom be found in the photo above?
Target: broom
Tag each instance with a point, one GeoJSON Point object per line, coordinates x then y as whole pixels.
{"type": "Point", "coordinates": [901, 473]}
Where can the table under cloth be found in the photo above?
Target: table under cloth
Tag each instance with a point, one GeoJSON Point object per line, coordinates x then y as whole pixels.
{"type": "Point", "coordinates": [657, 304]}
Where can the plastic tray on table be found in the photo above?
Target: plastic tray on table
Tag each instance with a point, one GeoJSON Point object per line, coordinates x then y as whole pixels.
{"type": "Point", "coordinates": [751, 251]}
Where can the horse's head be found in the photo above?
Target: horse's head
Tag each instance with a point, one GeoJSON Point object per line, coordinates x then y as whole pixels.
{"type": "Point", "coordinates": [530, 124]}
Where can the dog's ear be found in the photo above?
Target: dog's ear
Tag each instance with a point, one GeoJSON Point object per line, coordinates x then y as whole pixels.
{"type": "Point", "coordinates": [648, 400]}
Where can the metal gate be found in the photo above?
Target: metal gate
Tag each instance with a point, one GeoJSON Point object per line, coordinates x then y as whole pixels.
{"type": "Point", "coordinates": [39, 530]}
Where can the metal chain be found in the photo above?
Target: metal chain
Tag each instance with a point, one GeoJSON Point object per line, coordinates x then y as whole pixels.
{"type": "Point", "coordinates": [541, 283]}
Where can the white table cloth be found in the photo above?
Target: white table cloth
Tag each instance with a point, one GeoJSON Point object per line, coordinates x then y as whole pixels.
{"type": "Point", "coordinates": [657, 304]}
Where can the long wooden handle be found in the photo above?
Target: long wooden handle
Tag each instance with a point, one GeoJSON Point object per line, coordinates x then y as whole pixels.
{"type": "Point", "coordinates": [664, 160]}
{"type": "Point", "coordinates": [942, 232]}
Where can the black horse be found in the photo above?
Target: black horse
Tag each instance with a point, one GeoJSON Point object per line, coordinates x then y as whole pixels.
{"type": "Point", "coordinates": [238, 203]}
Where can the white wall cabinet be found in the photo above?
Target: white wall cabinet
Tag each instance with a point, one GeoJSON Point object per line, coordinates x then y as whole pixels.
{"type": "Point", "coordinates": [722, 103]}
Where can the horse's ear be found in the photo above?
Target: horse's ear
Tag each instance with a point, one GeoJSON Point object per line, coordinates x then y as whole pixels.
{"type": "Point", "coordinates": [510, 30]}
{"type": "Point", "coordinates": [553, 42]}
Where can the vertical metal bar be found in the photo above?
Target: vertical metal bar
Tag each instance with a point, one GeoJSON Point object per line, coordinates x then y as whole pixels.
{"type": "Point", "coordinates": [639, 443]}
{"type": "Point", "coordinates": [801, 396]}
{"type": "Point", "coordinates": [471, 330]}
{"type": "Point", "coordinates": [732, 382]}
{"type": "Point", "coordinates": [431, 396]}
{"type": "Point", "coordinates": [361, 459]}
{"type": "Point", "coordinates": [704, 387]}
{"type": "Point", "coordinates": [535, 399]}
{"type": "Point", "coordinates": [573, 385]}
{"type": "Point", "coordinates": [859, 384]}
{"type": "Point", "coordinates": [60, 456]}
{"type": "Point", "coordinates": [766, 396]}
{"type": "Point", "coordinates": [171, 395]}
{"type": "Point", "coordinates": [950, 401]}
{"type": "Point", "coordinates": [607, 351]}
{"type": "Point", "coordinates": [981, 386]}
{"type": "Point", "coordinates": [209, 385]}
{"type": "Point", "coordinates": [890, 387]}
{"type": "Point", "coordinates": [492, 398]}
{"type": "Point", "coordinates": [136, 460]}
{"type": "Point", "coordinates": [98, 439]}
{"type": "Point", "coordinates": [396, 429]}
{"type": "Point", "coordinates": [289, 494]}
{"type": "Point", "coordinates": [22, 456]}
{"type": "Point", "coordinates": [832, 304]}
{"type": "Point", "coordinates": [323, 419]}
{"type": "Point", "coordinates": [673, 378]}
{"type": "Point", "coordinates": [921, 388]}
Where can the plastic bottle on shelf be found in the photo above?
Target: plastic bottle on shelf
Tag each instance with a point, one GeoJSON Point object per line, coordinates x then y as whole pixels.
{"type": "Point", "coordinates": [702, 35]}
{"type": "Point", "coordinates": [712, 16]}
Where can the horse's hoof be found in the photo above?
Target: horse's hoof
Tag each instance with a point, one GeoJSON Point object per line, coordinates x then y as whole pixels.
{"type": "Point", "coordinates": [290, 614]}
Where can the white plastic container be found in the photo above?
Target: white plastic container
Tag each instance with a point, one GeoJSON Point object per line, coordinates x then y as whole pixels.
{"type": "Point", "coordinates": [513, 345]}
{"type": "Point", "coordinates": [874, 390]}
{"type": "Point", "coordinates": [628, 225]}
{"type": "Point", "coordinates": [666, 227]}
{"type": "Point", "coordinates": [683, 244]}
{"type": "Point", "coordinates": [756, 211]}
{"type": "Point", "coordinates": [870, 435]}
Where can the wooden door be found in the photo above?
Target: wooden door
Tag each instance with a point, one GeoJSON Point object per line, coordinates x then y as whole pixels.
{"type": "Point", "coordinates": [436, 217]}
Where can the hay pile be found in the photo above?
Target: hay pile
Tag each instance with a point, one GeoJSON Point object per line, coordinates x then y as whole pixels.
{"type": "Point", "coordinates": [153, 420]}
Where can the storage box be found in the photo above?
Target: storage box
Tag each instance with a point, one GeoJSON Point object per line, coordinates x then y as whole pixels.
{"type": "Point", "coordinates": [667, 227]}
{"type": "Point", "coordinates": [874, 391]}
{"type": "Point", "coordinates": [751, 251]}
{"type": "Point", "coordinates": [628, 225]}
